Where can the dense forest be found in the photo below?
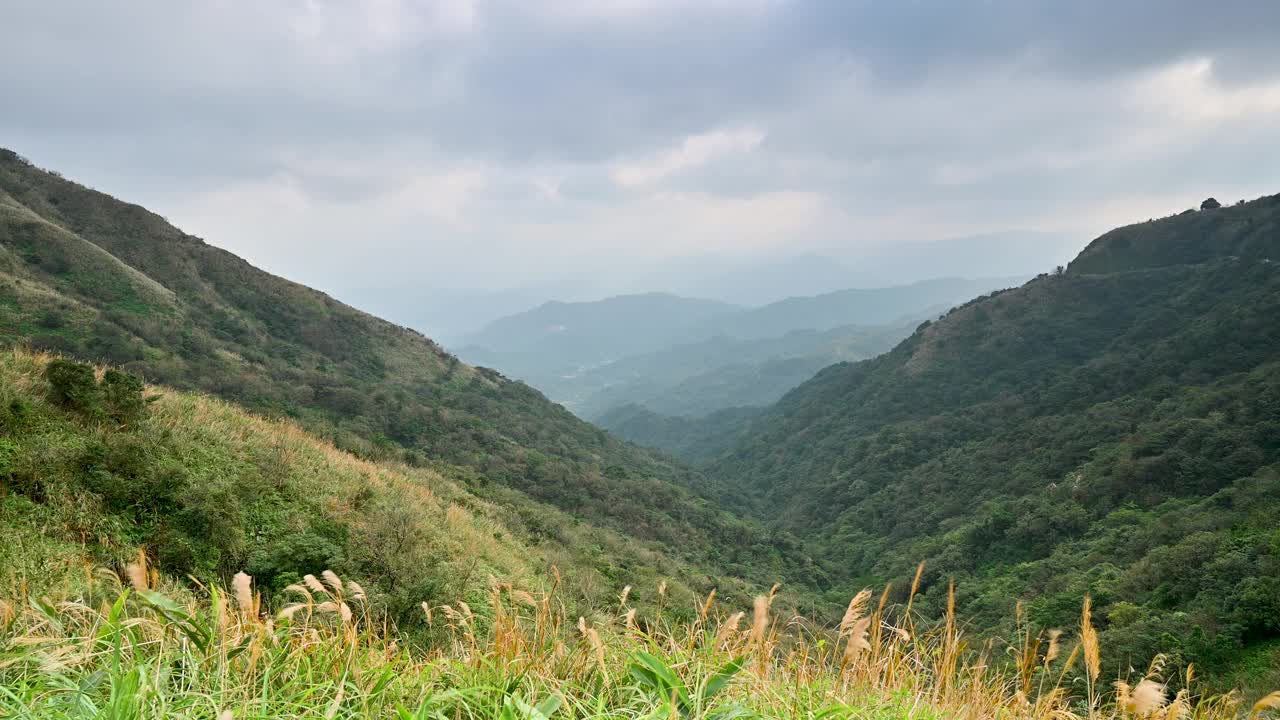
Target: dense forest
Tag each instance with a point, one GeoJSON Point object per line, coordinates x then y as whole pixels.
{"type": "Point", "coordinates": [1110, 428]}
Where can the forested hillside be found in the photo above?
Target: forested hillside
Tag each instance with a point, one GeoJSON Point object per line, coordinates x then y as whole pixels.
{"type": "Point", "coordinates": [1112, 429]}
{"type": "Point", "coordinates": [693, 440]}
{"type": "Point", "coordinates": [86, 275]}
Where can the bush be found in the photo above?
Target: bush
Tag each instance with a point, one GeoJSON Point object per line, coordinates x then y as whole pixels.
{"type": "Point", "coordinates": [72, 385]}
{"type": "Point", "coordinates": [122, 396]}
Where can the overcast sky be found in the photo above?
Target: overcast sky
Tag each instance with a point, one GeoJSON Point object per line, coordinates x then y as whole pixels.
{"type": "Point", "coordinates": [499, 143]}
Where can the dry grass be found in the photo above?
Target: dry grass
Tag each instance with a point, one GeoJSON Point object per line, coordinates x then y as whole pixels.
{"type": "Point", "coordinates": [328, 656]}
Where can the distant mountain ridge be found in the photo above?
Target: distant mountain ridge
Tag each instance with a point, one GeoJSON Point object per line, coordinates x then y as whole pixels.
{"type": "Point", "coordinates": [687, 356]}
{"type": "Point", "coordinates": [600, 330]}
{"type": "Point", "coordinates": [863, 307]}
{"type": "Point", "coordinates": [699, 378]}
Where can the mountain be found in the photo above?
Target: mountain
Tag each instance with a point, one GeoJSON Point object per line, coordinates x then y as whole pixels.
{"type": "Point", "coordinates": [682, 356]}
{"type": "Point", "coordinates": [1111, 429]}
{"type": "Point", "coordinates": [752, 282]}
{"type": "Point", "coordinates": [694, 440]}
{"type": "Point", "coordinates": [592, 332]}
{"type": "Point", "coordinates": [211, 490]}
{"type": "Point", "coordinates": [89, 276]}
{"type": "Point", "coordinates": [861, 307]}
{"type": "Point", "coordinates": [702, 377]}
{"type": "Point", "coordinates": [865, 263]}
{"type": "Point", "coordinates": [446, 315]}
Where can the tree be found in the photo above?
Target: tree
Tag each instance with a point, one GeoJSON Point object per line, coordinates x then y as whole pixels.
{"type": "Point", "coordinates": [1210, 204]}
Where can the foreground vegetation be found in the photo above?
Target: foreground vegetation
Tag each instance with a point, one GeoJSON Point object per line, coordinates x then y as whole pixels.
{"type": "Point", "coordinates": [93, 467]}
{"type": "Point", "coordinates": [144, 652]}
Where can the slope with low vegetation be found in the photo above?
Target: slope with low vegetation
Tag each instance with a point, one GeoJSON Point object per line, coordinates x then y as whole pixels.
{"type": "Point", "coordinates": [95, 470]}
{"type": "Point", "coordinates": [92, 277]}
{"type": "Point", "coordinates": [1111, 429]}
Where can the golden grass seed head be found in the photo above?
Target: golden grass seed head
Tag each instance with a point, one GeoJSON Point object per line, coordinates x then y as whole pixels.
{"type": "Point", "coordinates": [760, 619]}
{"type": "Point", "coordinates": [242, 585]}
{"type": "Point", "coordinates": [1055, 647]}
{"type": "Point", "coordinates": [314, 584]}
{"type": "Point", "coordinates": [857, 608]}
{"type": "Point", "coordinates": [1267, 702]}
{"type": "Point", "coordinates": [1148, 696]}
{"type": "Point", "coordinates": [357, 591]}
{"type": "Point", "coordinates": [332, 579]}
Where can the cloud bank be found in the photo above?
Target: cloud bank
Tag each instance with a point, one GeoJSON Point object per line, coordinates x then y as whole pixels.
{"type": "Point", "coordinates": [495, 143]}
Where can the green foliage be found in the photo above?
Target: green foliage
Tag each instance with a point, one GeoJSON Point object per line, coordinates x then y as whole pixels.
{"type": "Point", "coordinates": [693, 440]}
{"type": "Point", "coordinates": [122, 396]}
{"type": "Point", "coordinates": [1109, 430]}
{"type": "Point", "coordinates": [73, 385]}
{"type": "Point", "coordinates": [671, 693]}
{"type": "Point", "coordinates": [133, 291]}
{"type": "Point", "coordinates": [208, 491]}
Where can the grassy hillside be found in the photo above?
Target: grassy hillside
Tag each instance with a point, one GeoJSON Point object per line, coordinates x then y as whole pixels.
{"type": "Point", "coordinates": [84, 274]}
{"type": "Point", "coordinates": [206, 490]}
{"type": "Point", "coordinates": [1111, 429]}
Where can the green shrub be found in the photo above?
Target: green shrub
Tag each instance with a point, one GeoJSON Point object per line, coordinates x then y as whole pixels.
{"type": "Point", "coordinates": [72, 385]}
{"type": "Point", "coordinates": [122, 396]}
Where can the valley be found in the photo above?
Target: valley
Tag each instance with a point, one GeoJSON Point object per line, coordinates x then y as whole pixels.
{"type": "Point", "coordinates": [1106, 430]}
{"type": "Point", "coordinates": [686, 357]}
{"type": "Point", "coordinates": [640, 360]}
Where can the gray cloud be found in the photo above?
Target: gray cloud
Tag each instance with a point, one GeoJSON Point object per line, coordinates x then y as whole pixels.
{"type": "Point", "coordinates": [500, 143]}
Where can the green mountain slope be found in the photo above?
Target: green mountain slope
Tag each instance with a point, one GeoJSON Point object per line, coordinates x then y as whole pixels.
{"type": "Point", "coordinates": [209, 490]}
{"type": "Point", "coordinates": [84, 274]}
{"type": "Point", "coordinates": [693, 440]}
{"type": "Point", "coordinates": [1112, 429]}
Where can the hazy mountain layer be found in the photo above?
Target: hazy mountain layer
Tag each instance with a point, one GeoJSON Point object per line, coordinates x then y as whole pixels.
{"type": "Point", "coordinates": [687, 357]}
